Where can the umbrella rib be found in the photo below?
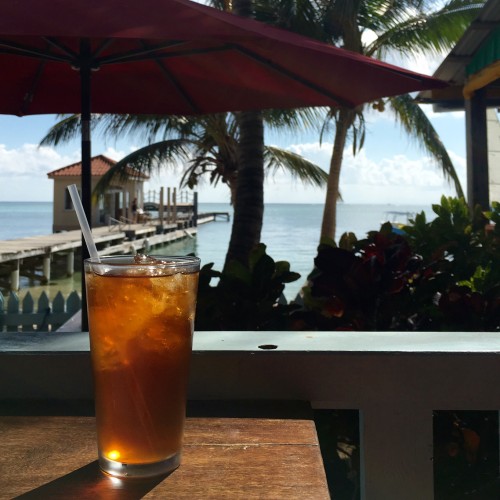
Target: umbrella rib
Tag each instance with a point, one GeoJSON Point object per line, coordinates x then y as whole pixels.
{"type": "Point", "coordinates": [94, 62]}
{"type": "Point", "coordinates": [130, 57]}
{"type": "Point", "coordinates": [28, 97]}
{"type": "Point", "coordinates": [17, 49]}
{"type": "Point", "coordinates": [280, 69]}
{"type": "Point", "coordinates": [58, 45]}
{"type": "Point", "coordinates": [175, 83]}
{"type": "Point", "coordinates": [104, 45]}
{"type": "Point", "coordinates": [150, 53]}
{"type": "Point", "coordinates": [139, 54]}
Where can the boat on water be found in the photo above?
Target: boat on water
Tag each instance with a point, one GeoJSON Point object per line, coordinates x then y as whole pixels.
{"type": "Point", "coordinates": [398, 220]}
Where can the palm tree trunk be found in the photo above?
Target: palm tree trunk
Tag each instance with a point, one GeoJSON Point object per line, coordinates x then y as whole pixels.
{"type": "Point", "coordinates": [249, 202]}
{"type": "Point", "coordinates": [249, 199]}
{"type": "Point", "coordinates": [232, 183]}
{"type": "Point", "coordinates": [329, 224]}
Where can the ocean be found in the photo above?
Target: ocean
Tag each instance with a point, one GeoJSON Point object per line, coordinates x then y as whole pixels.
{"type": "Point", "coordinates": [290, 232]}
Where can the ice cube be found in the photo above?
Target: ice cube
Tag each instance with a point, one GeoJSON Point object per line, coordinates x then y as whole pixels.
{"type": "Point", "coordinates": [142, 258]}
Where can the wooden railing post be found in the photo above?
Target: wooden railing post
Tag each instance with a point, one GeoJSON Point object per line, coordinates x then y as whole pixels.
{"type": "Point", "coordinates": [43, 308]}
{"type": "Point", "coordinates": [12, 308]}
{"type": "Point", "coordinates": [396, 449]}
{"type": "Point", "coordinates": [28, 310]}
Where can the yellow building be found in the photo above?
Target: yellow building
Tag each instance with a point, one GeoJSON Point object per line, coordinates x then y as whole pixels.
{"type": "Point", "coordinates": [115, 204]}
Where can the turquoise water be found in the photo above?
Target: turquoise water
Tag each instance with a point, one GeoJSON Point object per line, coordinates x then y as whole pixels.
{"type": "Point", "coordinates": [290, 231]}
{"type": "Point", "coordinates": [20, 219]}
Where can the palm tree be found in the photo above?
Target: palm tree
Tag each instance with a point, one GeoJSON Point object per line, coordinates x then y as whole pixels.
{"type": "Point", "coordinates": [403, 27]}
{"type": "Point", "coordinates": [249, 203]}
{"type": "Point", "coordinates": [227, 147]}
{"type": "Point", "coordinates": [202, 147]}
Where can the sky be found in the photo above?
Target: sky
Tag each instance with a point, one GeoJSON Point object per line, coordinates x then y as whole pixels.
{"type": "Point", "coordinates": [389, 169]}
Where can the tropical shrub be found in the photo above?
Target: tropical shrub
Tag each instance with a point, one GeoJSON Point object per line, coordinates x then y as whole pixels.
{"type": "Point", "coordinates": [245, 297]}
{"type": "Point", "coordinates": [438, 275]}
{"type": "Point", "coordinates": [441, 275]}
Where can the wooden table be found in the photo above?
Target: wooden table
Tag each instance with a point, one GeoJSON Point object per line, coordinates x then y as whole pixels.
{"type": "Point", "coordinates": [55, 457]}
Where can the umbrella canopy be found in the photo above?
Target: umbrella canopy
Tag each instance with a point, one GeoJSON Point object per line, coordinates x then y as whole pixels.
{"type": "Point", "coordinates": [174, 57]}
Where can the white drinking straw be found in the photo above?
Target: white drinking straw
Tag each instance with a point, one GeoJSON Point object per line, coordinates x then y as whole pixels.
{"type": "Point", "coordinates": [77, 204]}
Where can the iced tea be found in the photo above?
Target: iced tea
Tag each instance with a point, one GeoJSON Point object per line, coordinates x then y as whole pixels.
{"type": "Point", "coordinates": [141, 317]}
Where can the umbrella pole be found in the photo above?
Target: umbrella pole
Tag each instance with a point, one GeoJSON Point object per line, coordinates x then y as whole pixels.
{"type": "Point", "coordinates": [86, 176]}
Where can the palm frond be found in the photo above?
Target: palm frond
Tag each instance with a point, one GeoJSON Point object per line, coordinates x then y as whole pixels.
{"type": "Point", "coordinates": [63, 131]}
{"type": "Point", "coordinates": [145, 161]}
{"type": "Point", "coordinates": [414, 121]}
{"type": "Point", "coordinates": [292, 120]}
{"type": "Point", "coordinates": [197, 168]}
{"type": "Point", "coordinates": [357, 129]}
{"type": "Point", "coordinates": [424, 31]}
{"type": "Point", "coordinates": [299, 16]}
{"type": "Point", "coordinates": [300, 168]}
{"type": "Point", "coordinates": [148, 128]}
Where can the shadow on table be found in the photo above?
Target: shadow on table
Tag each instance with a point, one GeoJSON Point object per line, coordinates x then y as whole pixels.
{"type": "Point", "coordinates": [90, 482]}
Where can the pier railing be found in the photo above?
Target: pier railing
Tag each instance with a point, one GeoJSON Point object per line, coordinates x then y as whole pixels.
{"type": "Point", "coordinates": [22, 316]}
{"type": "Point", "coordinates": [182, 196]}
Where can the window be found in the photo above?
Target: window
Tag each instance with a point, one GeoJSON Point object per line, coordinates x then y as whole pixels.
{"type": "Point", "coordinates": [68, 204]}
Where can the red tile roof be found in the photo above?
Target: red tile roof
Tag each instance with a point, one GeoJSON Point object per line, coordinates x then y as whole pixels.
{"type": "Point", "coordinates": [99, 166]}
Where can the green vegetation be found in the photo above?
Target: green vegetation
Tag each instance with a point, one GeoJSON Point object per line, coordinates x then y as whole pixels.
{"type": "Point", "coordinates": [205, 148]}
{"type": "Point", "coordinates": [245, 297]}
{"type": "Point", "coordinates": [441, 275]}
{"type": "Point", "coordinates": [371, 27]}
{"type": "Point", "coordinates": [377, 28]}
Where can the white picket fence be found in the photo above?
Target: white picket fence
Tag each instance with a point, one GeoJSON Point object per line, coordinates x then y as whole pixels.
{"type": "Point", "coordinates": [22, 316]}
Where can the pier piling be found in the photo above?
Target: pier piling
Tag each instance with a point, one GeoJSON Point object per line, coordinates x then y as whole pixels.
{"type": "Point", "coordinates": [46, 266]}
{"type": "Point", "coordinates": [14, 276]}
{"type": "Point", "coordinates": [70, 263]}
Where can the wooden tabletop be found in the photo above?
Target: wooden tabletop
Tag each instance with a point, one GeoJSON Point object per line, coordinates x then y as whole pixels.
{"type": "Point", "coordinates": [55, 457]}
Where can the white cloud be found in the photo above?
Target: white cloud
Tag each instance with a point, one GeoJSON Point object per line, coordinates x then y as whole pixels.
{"type": "Point", "coordinates": [315, 152]}
{"type": "Point", "coordinates": [426, 64]}
{"type": "Point", "coordinates": [395, 179]}
{"type": "Point", "coordinates": [30, 160]}
{"type": "Point", "coordinates": [23, 170]}
{"type": "Point", "coordinates": [115, 154]}
{"type": "Point", "coordinates": [395, 171]}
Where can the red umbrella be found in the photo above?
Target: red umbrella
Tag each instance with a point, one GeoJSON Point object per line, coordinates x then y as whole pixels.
{"type": "Point", "coordinates": [171, 57]}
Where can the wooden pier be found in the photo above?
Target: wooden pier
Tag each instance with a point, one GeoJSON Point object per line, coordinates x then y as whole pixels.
{"type": "Point", "coordinates": [21, 256]}
{"type": "Point", "coordinates": [25, 255]}
{"type": "Point", "coordinates": [204, 217]}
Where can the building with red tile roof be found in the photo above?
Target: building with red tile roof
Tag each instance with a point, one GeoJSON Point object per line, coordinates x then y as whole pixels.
{"type": "Point", "coordinates": [116, 203]}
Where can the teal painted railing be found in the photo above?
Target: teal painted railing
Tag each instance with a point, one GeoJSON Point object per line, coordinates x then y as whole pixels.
{"type": "Point", "coordinates": [22, 316]}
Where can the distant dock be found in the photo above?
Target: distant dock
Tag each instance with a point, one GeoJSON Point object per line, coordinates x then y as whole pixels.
{"type": "Point", "coordinates": [213, 216]}
{"type": "Point", "coordinates": [22, 256]}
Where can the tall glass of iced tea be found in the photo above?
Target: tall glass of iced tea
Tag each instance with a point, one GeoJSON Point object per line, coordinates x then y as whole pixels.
{"type": "Point", "coordinates": [141, 314]}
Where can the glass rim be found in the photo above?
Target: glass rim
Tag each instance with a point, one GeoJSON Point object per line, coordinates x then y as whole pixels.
{"type": "Point", "coordinates": [164, 262]}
